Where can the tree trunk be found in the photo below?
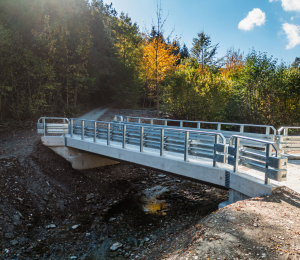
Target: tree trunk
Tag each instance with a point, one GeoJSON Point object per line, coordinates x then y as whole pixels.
{"type": "Point", "coordinates": [75, 95]}
{"type": "Point", "coordinates": [157, 96]}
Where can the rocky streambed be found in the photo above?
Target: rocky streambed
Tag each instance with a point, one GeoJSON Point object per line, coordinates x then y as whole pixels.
{"type": "Point", "coordinates": [48, 210]}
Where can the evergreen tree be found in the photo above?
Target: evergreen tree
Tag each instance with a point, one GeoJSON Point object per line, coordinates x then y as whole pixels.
{"type": "Point", "coordinates": [184, 52]}
{"type": "Point", "coordinates": [296, 63]}
{"type": "Point", "coordinates": [203, 52]}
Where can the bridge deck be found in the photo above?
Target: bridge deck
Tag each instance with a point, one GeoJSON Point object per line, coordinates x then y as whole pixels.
{"type": "Point", "coordinates": [200, 155]}
{"type": "Point", "coordinates": [150, 157]}
{"type": "Point", "coordinates": [196, 168]}
{"type": "Point", "coordinates": [293, 180]}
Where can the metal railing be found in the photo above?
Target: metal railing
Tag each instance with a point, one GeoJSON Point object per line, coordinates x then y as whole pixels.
{"type": "Point", "coordinates": [198, 124]}
{"type": "Point", "coordinates": [184, 141]}
{"type": "Point", "coordinates": [285, 129]}
{"type": "Point", "coordinates": [219, 125]}
{"type": "Point", "coordinates": [53, 128]}
{"type": "Point", "coordinates": [273, 166]}
{"type": "Point", "coordinates": [288, 142]}
{"type": "Point", "coordinates": [189, 142]}
{"type": "Point", "coordinates": [284, 141]}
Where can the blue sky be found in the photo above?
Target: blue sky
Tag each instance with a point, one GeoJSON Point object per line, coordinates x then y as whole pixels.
{"type": "Point", "coordinates": [271, 26]}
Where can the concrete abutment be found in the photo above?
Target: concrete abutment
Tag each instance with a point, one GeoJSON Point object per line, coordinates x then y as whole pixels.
{"type": "Point", "coordinates": [80, 160]}
{"type": "Point", "coordinates": [234, 196]}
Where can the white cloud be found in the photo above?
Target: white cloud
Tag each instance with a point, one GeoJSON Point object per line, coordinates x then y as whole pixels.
{"type": "Point", "coordinates": [292, 33]}
{"type": "Point", "coordinates": [289, 5]}
{"type": "Point", "coordinates": [255, 17]}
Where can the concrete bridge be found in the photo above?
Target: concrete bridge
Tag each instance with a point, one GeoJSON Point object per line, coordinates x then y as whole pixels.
{"type": "Point", "coordinates": [213, 156]}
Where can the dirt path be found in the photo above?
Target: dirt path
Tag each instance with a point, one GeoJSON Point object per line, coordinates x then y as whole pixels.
{"type": "Point", "coordinates": [50, 211]}
{"type": "Point", "coordinates": [96, 113]}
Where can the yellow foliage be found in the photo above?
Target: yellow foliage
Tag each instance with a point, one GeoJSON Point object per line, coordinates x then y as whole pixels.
{"type": "Point", "coordinates": [233, 63]}
{"type": "Point", "coordinates": [158, 62]}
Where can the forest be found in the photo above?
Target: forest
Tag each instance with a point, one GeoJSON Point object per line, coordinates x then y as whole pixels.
{"type": "Point", "coordinates": [57, 56]}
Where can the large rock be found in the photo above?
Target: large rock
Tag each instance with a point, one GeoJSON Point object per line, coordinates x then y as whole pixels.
{"type": "Point", "coordinates": [115, 246]}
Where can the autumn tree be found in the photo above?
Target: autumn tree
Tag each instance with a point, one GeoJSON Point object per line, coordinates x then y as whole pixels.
{"type": "Point", "coordinates": [158, 62]}
{"type": "Point", "coordinates": [191, 94]}
{"type": "Point", "coordinates": [159, 58]}
{"type": "Point", "coordinates": [234, 62]}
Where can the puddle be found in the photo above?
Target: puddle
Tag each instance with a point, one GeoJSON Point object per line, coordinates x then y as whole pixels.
{"type": "Point", "coordinates": [150, 202]}
{"type": "Point", "coordinates": [142, 210]}
{"type": "Point", "coordinates": [154, 206]}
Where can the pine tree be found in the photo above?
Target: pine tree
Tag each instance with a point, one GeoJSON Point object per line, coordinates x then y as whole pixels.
{"type": "Point", "coordinates": [203, 52]}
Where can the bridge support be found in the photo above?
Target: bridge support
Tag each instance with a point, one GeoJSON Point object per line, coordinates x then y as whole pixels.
{"type": "Point", "coordinates": [249, 185]}
{"type": "Point", "coordinates": [234, 196]}
{"type": "Point", "coordinates": [80, 160]}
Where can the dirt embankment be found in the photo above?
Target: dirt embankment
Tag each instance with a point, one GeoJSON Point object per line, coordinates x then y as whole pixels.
{"type": "Point", "coordinates": [50, 211]}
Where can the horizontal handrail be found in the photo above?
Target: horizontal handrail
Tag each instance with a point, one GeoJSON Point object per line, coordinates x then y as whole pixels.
{"type": "Point", "coordinates": [286, 128]}
{"type": "Point", "coordinates": [268, 127]}
{"type": "Point", "coordinates": [206, 122]}
{"type": "Point", "coordinates": [88, 120]}
{"type": "Point", "coordinates": [274, 144]}
{"type": "Point", "coordinates": [161, 141]}
{"type": "Point", "coordinates": [58, 118]}
{"type": "Point", "coordinates": [158, 127]}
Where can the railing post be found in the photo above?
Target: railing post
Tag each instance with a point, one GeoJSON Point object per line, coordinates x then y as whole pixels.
{"type": "Point", "coordinates": [64, 121]}
{"type": "Point", "coordinates": [237, 153]}
{"type": "Point", "coordinates": [241, 129]}
{"type": "Point", "coordinates": [285, 131]}
{"type": "Point", "coordinates": [124, 136]}
{"type": "Point", "coordinates": [162, 139]}
{"type": "Point", "coordinates": [44, 125]}
{"type": "Point", "coordinates": [166, 122]}
{"type": "Point", "coordinates": [215, 152]}
{"type": "Point", "coordinates": [151, 121]}
{"type": "Point", "coordinates": [95, 132]}
{"type": "Point", "coordinates": [72, 128]}
{"type": "Point", "coordinates": [231, 142]}
{"type": "Point", "coordinates": [198, 125]}
{"type": "Point", "coordinates": [219, 127]}
{"type": "Point", "coordinates": [186, 146]}
{"type": "Point", "coordinates": [268, 130]}
{"type": "Point", "coordinates": [181, 123]}
{"type": "Point", "coordinates": [82, 130]}
{"type": "Point", "coordinates": [268, 154]}
{"type": "Point", "coordinates": [108, 134]}
{"type": "Point", "coordinates": [139, 120]}
{"type": "Point", "coordinates": [142, 139]}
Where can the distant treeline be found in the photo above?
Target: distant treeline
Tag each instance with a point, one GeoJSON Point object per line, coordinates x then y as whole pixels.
{"type": "Point", "coordinates": [57, 55]}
